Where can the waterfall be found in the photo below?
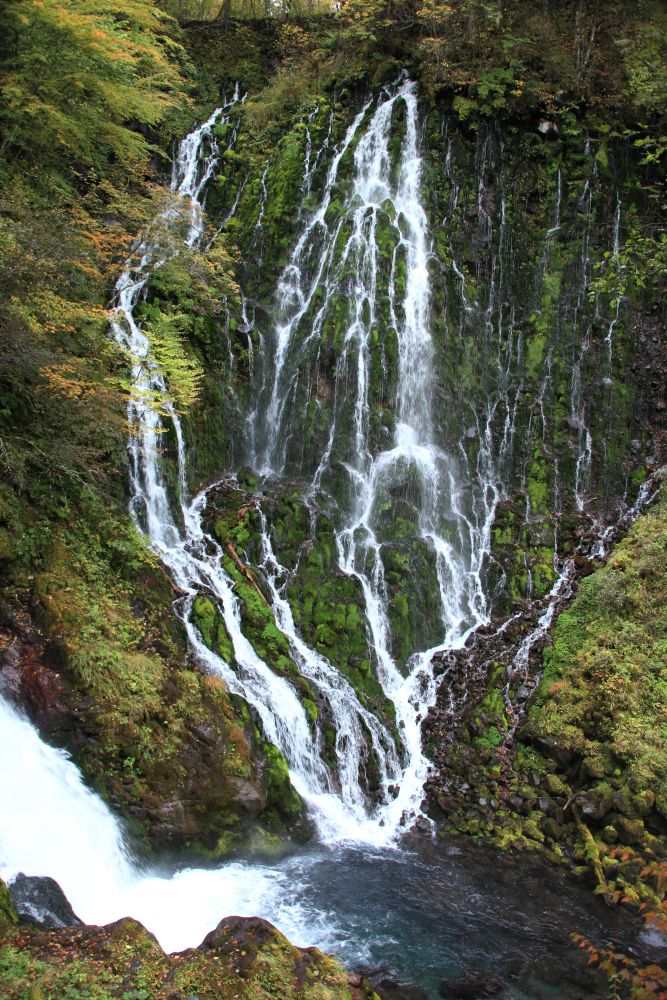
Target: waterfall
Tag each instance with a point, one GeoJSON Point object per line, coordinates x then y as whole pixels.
{"type": "Point", "coordinates": [195, 560]}
{"type": "Point", "coordinates": [175, 525]}
{"type": "Point", "coordinates": [57, 827]}
{"type": "Point", "coordinates": [53, 825]}
{"type": "Point", "coordinates": [344, 251]}
{"type": "Point", "coordinates": [359, 276]}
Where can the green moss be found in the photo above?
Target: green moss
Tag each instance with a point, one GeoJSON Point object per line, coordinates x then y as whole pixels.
{"type": "Point", "coordinates": [205, 616]}
{"type": "Point", "coordinates": [8, 917]}
{"type": "Point", "coordinates": [247, 959]}
{"type": "Point", "coordinates": [605, 682]}
{"type": "Point", "coordinates": [283, 803]}
{"type": "Point", "coordinates": [492, 737]}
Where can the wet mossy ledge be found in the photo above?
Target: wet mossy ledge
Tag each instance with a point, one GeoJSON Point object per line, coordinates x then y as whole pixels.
{"type": "Point", "coordinates": [583, 779]}
{"type": "Point", "coordinates": [104, 671]}
{"type": "Point", "coordinates": [244, 958]}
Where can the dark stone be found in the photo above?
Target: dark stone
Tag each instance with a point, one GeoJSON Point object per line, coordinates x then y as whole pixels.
{"type": "Point", "coordinates": [40, 900]}
{"type": "Point", "coordinates": [553, 748]}
{"type": "Point", "coordinates": [387, 989]}
{"type": "Point", "coordinates": [595, 804]}
{"type": "Point", "coordinates": [624, 803]}
{"type": "Point", "coordinates": [448, 803]}
{"type": "Point", "coordinates": [472, 986]}
{"type": "Point", "coordinates": [551, 828]}
{"type": "Point", "coordinates": [631, 831]}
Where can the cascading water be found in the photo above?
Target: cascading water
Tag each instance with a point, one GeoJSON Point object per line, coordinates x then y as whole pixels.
{"type": "Point", "coordinates": [346, 252]}
{"type": "Point", "coordinates": [195, 560]}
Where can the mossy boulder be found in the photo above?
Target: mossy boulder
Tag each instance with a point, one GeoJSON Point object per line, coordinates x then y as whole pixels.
{"type": "Point", "coordinates": [8, 915]}
{"type": "Point", "coordinates": [603, 695]}
{"type": "Point", "coordinates": [242, 959]}
{"type": "Point", "coordinates": [165, 744]}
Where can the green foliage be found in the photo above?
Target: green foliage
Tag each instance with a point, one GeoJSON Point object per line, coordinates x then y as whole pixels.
{"type": "Point", "coordinates": [605, 679]}
{"type": "Point", "coordinates": [76, 75]}
{"type": "Point", "coordinates": [640, 264]}
{"type": "Point", "coordinates": [20, 973]}
{"type": "Point", "coordinates": [115, 62]}
{"type": "Point", "coordinates": [182, 372]}
{"type": "Point", "coordinates": [643, 48]}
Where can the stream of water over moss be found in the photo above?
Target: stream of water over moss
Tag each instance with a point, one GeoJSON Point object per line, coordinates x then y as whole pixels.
{"type": "Point", "coordinates": [381, 443]}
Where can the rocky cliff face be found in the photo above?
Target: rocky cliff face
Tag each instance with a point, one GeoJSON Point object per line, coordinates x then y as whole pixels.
{"type": "Point", "coordinates": [547, 370]}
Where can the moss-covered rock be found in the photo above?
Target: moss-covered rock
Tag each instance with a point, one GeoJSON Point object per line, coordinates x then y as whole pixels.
{"type": "Point", "coordinates": [603, 691]}
{"type": "Point", "coordinates": [166, 745]}
{"type": "Point", "coordinates": [8, 915]}
{"type": "Point", "coordinates": [584, 784]}
{"type": "Point", "coordinates": [244, 958]}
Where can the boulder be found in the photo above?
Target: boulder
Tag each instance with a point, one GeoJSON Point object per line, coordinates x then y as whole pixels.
{"type": "Point", "coordinates": [550, 746]}
{"type": "Point", "coordinates": [40, 900]}
{"type": "Point", "coordinates": [633, 806]}
{"type": "Point", "coordinates": [556, 786]}
{"type": "Point", "coordinates": [388, 989]}
{"type": "Point", "coordinates": [472, 986]}
{"type": "Point", "coordinates": [595, 803]}
{"type": "Point", "coordinates": [551, 828]}
{"type": "Point", "coordinates": [631, 831]}
{"type": "Point", "coordinates": [624, 803]}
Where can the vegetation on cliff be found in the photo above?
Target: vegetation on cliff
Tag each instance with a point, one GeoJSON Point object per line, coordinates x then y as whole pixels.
{"type": "Point", "coordinates": [86, 164]}
{"type": "Point", "coordinates": [584, 780]}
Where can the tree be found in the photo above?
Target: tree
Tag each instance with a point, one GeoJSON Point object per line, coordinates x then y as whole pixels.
{"type": "Point", "coordinates": [77, 73]}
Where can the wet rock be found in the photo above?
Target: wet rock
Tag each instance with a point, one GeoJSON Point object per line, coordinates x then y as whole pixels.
{"type": "Point", "coordinates": [595, 804]}
{"type": "Point", "coordinates": [631, 831]}
{"type": "Point", "coordinates": [448, 803]}
{"type": "Point", "coordinates": [472, 986]}
{"type": "Point", "coordinates": [248, 796]}
{"type": "Point", "coordinates": [551, 747]}
{"type": "Point", "coordinates": [40, 900]}
{"type": "Point", "coordinates": [388, 989]}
